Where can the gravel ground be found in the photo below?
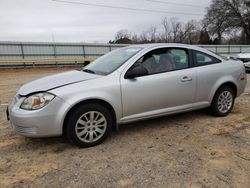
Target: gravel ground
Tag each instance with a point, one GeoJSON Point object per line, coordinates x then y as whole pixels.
{"type": "Point", "coordinates": [186, 150]}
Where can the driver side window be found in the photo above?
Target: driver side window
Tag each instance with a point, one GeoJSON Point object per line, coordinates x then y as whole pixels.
{"type": "Point", "coordinates": [164, 60]}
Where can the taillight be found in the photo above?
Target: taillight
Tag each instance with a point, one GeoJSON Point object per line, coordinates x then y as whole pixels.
{"type": "Point", "coordinates": [243, 74]}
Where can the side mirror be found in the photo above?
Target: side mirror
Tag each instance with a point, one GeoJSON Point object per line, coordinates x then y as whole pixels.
{"type": "Point", "coordinates": [136, 72]}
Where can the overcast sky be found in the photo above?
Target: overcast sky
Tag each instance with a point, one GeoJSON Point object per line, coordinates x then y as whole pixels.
{"type": "Point", "coordinates": [47, 20]}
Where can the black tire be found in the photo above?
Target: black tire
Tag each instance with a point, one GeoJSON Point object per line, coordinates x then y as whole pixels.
{"type": "Point", "coordinates": [214, 108]}
{"type": "Point", "coordinates": [74, 116]}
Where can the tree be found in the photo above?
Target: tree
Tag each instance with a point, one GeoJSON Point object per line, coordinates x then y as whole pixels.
{"type": "Point", "coordinates": [176, 29]}
{"type": "Point", "coordinates": [204, 37]}
{"type": "Point", "coordinates": [152, 31]}
{"type": "Point", "coordinates": [123, 33]}
{"type": "Point", "coordinates": [226, 15]}
{"type": "Point", "coordinates": [173, 31]}
{"type": "Point", "coordinates": [135, 39]}
{"type": "Point", "coordinates": [239, 10]}
{"type": "Point", "coordinates": [144, 37]}
{"type": "Point", "coordinates": [188, 32]}
{"type": "Point", "coordinates": [124, 41]}
{"type": "Point", "coordinates": [216, 20]}
{"type": "Point", "coordinates": [123, 37]}
{"type": "Point", "coordinates": [167, 30]}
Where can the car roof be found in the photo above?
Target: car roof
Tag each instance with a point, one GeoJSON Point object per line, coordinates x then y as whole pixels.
{"type": "Point", "coordinates": [176, 45]}
{"type": "Point", "coordinates": [167, 45]}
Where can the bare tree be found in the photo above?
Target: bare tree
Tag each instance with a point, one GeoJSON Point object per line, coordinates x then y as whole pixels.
{"type": "Point", "coordinates": [152, 32]}
{"type": "Point", "coordinates": [215, 20]}
{"type": "Point", "coordinates": [226, 15]}
{"type": "Point", "coordinates": [123, 33]}
{"type": "Point", "coordinates": [204, 37]}
{"type": "Point", "coordinates": [190, 29]}
{"type": "Point", "coordinates": [135, 39]}
{"type": "Point", "coordinates": [173, 31]}
{"type": "Point", "coordinates": [227, 20]}
{"type": "Point", "coordinates": [144, 37]}
{"type": "Point", "coordinates": [122, 37]}
{"type": "Point", "coordinates": [176, 27]}
{"type": "Point", "coordinates": [167, 29]}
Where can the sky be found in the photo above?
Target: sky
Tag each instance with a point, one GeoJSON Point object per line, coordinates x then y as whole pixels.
{"type": "Point", "coordinates": [48, 20]}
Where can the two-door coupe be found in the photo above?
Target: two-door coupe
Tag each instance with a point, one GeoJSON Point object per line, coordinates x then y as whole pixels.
{"type": "Point", "coordinates": [126, 85]}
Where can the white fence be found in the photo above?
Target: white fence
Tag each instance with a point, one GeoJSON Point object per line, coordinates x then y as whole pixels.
{"type": "Point", "coordinates": [34, 50]}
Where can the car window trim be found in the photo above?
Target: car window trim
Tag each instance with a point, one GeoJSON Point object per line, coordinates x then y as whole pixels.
{"type": "Point", "coordinates": [194, 60]}
{"type": "Point", "coordinates": [188, 51]}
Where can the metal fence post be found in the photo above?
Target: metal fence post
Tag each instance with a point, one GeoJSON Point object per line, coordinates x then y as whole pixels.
{"type": "Point", "coordinates": [83, 51]}
{"type": "Point", "coordinates": [22, 52]}
{"type": "Point", "coordinates": [54, 53]}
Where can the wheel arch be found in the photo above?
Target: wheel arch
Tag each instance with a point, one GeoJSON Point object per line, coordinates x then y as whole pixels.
{"type": "Point", "coordinates": [230, 84]}
{"type": "Point", "coordinates": [96, 101]}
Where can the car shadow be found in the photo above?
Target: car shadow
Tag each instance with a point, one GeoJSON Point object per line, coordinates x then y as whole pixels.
{"type": "Point", "coordinates": [163, 121]}
{"type": "Point", "coordinates": [61, 143]}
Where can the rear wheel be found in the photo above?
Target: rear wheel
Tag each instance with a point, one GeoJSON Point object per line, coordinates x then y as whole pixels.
{"type": "Point", "coordinates": [88, 125]}
{"type": "Point", "coordinates": [223, 101]}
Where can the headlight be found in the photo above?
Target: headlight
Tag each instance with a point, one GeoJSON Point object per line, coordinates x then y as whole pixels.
{"type": "Point", "coordinates": [37, 101]}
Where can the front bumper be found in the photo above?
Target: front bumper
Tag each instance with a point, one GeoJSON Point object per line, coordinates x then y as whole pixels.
{"type": "Point", "coordinates": [45, 122]}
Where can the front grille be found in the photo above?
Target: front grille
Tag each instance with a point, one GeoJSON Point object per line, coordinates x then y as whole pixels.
{"type": "Point", "coordinates": [25, 130]}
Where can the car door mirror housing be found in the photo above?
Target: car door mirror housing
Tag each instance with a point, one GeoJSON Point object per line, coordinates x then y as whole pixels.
{"type": "Point", "coordinates": [136, 72]}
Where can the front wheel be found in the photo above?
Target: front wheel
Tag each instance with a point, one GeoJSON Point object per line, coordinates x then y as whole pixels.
{"type": "Point", "coordinates": [223, 102]}
{"type": "Point", "coordinates": [88, 125]}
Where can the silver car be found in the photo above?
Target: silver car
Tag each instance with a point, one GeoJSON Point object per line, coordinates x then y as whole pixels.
{"type": "Point", "coordinates": [126, 85]}
{"type": "Point", "coordinates": [245, 58]}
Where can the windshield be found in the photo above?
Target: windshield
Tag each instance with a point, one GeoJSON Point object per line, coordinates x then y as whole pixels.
{"type": "Point", "coordinates": [111, 61]}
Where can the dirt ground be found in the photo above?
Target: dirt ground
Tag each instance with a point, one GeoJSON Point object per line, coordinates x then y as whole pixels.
{"type": "Point", "coordinates": [186, 150]}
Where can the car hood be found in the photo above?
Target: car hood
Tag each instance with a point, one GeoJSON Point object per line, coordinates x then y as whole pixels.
{"type": "Point", "coordinates": [244, 55]}
{"type": "Point", "coordinates": [55, 81]}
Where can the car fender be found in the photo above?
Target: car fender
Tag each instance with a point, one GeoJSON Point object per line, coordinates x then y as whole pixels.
{"type": "Point", "coordinates": [219, 83]}
{"type": "Point", "coordinates": [93, 95]}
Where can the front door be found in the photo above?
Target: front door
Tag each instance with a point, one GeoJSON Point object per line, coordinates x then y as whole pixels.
{"type": "Point", "coordinates": [170, 85]}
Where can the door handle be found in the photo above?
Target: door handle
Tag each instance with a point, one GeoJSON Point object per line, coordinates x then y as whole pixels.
{"type": "Point", "coordinates": [186, 79]}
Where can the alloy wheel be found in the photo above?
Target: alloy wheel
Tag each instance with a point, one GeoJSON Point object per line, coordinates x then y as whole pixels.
{"type": "Point", "coordinates": [225, 101]}
{"type": "Point", "coordinates": [91, 126]}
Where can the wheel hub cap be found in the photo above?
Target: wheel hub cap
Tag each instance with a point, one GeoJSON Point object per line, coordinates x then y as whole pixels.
{"type": "Point", "coordinates": [91, 126]}
{"type": "Point", "coordinates": [225, 101]}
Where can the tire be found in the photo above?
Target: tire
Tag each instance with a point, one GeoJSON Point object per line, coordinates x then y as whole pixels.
{"type": "Point", "coordinates": [88, 125]}
{"type": "Point", "coordinates": [223, 102]}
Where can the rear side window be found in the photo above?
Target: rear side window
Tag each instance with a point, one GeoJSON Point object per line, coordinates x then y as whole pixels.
{"type": "Point", "coordinates": [202, 59]}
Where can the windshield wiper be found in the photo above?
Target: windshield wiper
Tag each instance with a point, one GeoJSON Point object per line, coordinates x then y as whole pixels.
{"type": "Point", "coordinates": [88, 71]}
